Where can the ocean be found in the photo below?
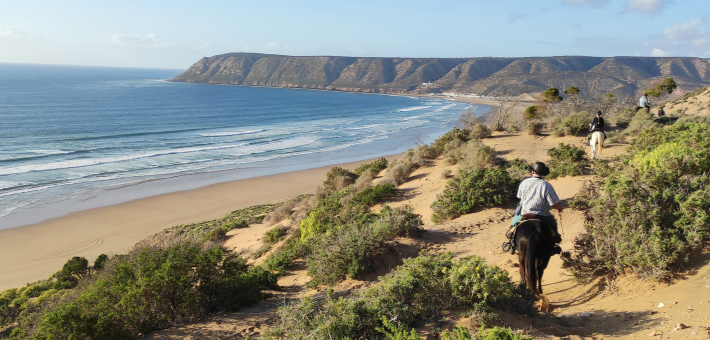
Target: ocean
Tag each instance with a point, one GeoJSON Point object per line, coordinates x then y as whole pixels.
{"type": "Point", "coordinates": [71, 134]}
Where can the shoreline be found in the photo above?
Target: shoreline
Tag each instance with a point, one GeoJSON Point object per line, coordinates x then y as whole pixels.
{"type": "Point", "coordinates": [33, 251]}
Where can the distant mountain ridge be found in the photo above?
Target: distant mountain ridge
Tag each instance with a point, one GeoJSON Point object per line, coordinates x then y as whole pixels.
{"type": "Point", "coordinates": [483, 76]}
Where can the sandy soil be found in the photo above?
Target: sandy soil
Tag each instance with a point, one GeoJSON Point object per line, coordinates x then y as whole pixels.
{"type": "Point", "coordinates": [695, 105]}
{"type": "Point", "coordinates": [625, 309]}
{"type": "Point", "coordinates": [34, 252]}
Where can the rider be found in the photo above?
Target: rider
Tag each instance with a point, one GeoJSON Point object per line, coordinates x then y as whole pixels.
{"type": "Point", "coordinates": [537, 196]}
{"type": "Point", "coordinates": [643, 102]}
{"type": "Point", "coordinates": [597, 125]}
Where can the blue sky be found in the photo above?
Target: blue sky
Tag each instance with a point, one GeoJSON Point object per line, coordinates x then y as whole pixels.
{"type": "Point", "coordinates": [175, 34]}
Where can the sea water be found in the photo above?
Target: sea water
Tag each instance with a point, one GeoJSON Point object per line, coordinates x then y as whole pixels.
{"type": "Point", "coordinates": [69, 132]}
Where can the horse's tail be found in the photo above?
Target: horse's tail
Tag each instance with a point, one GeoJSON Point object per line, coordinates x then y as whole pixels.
{"type": "Point", "coordinates": [530, 262]}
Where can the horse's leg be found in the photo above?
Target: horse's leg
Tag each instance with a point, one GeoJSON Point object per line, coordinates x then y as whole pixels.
{"type": "Point", "coordinates": [592, 144]}
{"type": "Point", "coordinates": [601, 144]}
{"type": "Point", "coordinates": [521, 263]}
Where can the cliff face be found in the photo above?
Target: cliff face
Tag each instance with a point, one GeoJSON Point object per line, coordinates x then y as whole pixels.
{"type": "Point", "coordinates": [483, 76]}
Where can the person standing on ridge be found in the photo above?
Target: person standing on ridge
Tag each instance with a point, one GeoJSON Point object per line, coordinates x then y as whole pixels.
{"type": "Point", "coordinates": [643, 102]}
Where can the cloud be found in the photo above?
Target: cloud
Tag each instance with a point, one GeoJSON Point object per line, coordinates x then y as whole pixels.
{"type": "Point", "coordinates": [648, 7]}
{"type": "Point", "coordinates": [694, 32]}
{"type": "Point", "coordinates": [513, 17]}
{"type": "Point", "coordinates": [10, 34]}
{"type": "Point", "coordinates": [582, 3]}
{"type": "Point", "coordinates": [274, 46]}
{"type": "Point", "coordinates": [657, 52]}
{"type": "Point", "coordinates": [138, 41]}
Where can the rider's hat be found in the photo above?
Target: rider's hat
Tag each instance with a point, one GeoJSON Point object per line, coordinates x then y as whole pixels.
{"type": "Point", "coordinates": [599, 113]}
{"type": "Point", "coordinates": [540, 168]}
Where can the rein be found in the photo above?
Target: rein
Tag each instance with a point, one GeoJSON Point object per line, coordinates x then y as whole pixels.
{"type": "Point", "coordinates": [559, 214]}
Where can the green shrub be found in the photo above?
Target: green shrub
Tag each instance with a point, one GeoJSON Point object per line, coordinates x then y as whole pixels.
{"type": "Point", "coordinates": [534, 128]}
{"type": "Point", "coordinates": [577, 122]}
{"type": "Point", "coordinates": [478, 156]}
{"type": "Point", "coordinates": [471, 189]}
{"type": "Point", "coordinates": [149, 289]}
{"type": "Point", "coordinates": [274, 235]}
{"type": "Point", "coordinates": [532, 113]}
{"type": "Point", "coordinates": [420, 288]}
{"type": "Point", "coordinates": [464, 135]}
{"type": "Point", "coordinates": [500, 334]}
{"type": "Point", "coordinates": [398, 173]}
{"type": "Point", "coordinates": [480, 131]}
{"type": "Point", "coordinates": [651, 209]}
{"type": "Point", "coordinates": [349, 250]}
{"type": "Point", "coordinates": [558, 132]}
{"type": "Point", "coordinates": [100, 262]}
{"type": "Point", "coordinates": [374, 195]}
{"type": "Point", "coordinates": [377, 166]}
{"type": "Point", "coordinates": [566, 160]}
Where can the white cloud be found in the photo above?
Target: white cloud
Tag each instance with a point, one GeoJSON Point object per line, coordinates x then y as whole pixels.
{"type": "Point", "coordinates": [134, 40]}
{"type": "Point", "coordinates": [684, 31]}
{"type": "Point", "coordinates": [274, 46]}
{"type": "Point", "coordinates": [657, 52]}
{"type": "Point", "coordinates": [690, 34]}
{"type": "Point", "coordinates": [10, 34]}
{"type": "Point", "coordinates": [582, 3]}
{"type": "Point", "coordinates": [648, 7]}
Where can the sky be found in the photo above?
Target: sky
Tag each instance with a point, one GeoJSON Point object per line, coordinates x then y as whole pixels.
{"type": "Point", "coordinates": [174, 34]}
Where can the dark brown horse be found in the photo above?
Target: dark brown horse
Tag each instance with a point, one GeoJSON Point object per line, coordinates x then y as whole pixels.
{"type": "Point", "coordinates": [535, 242]}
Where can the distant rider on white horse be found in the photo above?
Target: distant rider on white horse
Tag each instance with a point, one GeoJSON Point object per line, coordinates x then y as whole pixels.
{"type": "Point", "coordinates": [597, 135]}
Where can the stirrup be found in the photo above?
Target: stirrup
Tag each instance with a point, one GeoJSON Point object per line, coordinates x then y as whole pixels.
{"type": "Point", "coordinates": [508, 247]}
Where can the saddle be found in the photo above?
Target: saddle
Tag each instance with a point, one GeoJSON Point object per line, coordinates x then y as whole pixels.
{"type": "Point", "coordinates": [509, 246]}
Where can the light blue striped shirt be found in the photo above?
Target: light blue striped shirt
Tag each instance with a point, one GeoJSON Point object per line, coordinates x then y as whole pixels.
{"type": "Point", "coordinates": [536, 196]}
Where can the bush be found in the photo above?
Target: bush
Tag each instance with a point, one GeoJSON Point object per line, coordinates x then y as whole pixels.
{"type": "Point", "coordinates": [471, 189]}
{"type": "Point", "coordinates": [478, 156]}
{"type": "Point", "coordinates": [559, 132]}
{"type": "Point", "coordinates": [534, 128]}
{"type": "Point", "coordinates": [651, 210]}
{"type": "Point", "coordinates": [480, 131]}
{"type": "Point", "coordinates": [151, 288]}
{"type": "Point", "coordinates": [567, 160]}
{"type": "Point", "coordinates": [377, 166]}
{"type": "Point", "coordinates": [350, 250]}
{"type": "Point", "coordinates": [420, 288]}
{"type": "Point", "coordinates": [446, 173]}
{"type": "Point", "coordinates": [532, 113]}
{"type": "Point", "coordinates": [399, 173]}
{"type": "Point", "coordinates": [577, 122]}
{"type": "Point", "coordinates": [462, 135]}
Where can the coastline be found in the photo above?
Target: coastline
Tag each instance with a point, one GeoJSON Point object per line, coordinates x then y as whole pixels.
{"type": "Point", "coordinates": [34, 251]}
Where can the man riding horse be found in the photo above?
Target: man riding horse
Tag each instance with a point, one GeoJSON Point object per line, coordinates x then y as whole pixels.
{"type": "Point", "coordinates": [536, 237]}
{"type": "Point", "coordinates": [537, 196]}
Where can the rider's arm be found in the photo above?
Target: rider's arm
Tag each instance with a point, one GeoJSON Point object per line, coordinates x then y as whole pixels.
{"type": "Point", "coordinates": [558, 206]}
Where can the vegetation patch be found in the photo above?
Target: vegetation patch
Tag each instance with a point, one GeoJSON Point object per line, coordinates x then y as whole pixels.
{"type": "Point", "coordinates": [567, 160]}
{"type": "Point", "coordinates": [650, 208]}
{"type": "Point", "coordinates": [472, 188]}
{"type": "Point", "coordinates": [148, 289]}
{"type": "Point", "coordinates": [420, 288]}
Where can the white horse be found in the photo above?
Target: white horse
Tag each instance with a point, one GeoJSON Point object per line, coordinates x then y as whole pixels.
{"type": "Point", "coordinates": [596, 142]}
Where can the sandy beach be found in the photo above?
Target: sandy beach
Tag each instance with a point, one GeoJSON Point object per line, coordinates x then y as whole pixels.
{"type": "Point", "coordinates": [34, 252]}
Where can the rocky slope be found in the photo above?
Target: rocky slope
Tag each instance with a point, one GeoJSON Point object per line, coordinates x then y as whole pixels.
{"type": "Point", "coordinates": [483, 76]}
